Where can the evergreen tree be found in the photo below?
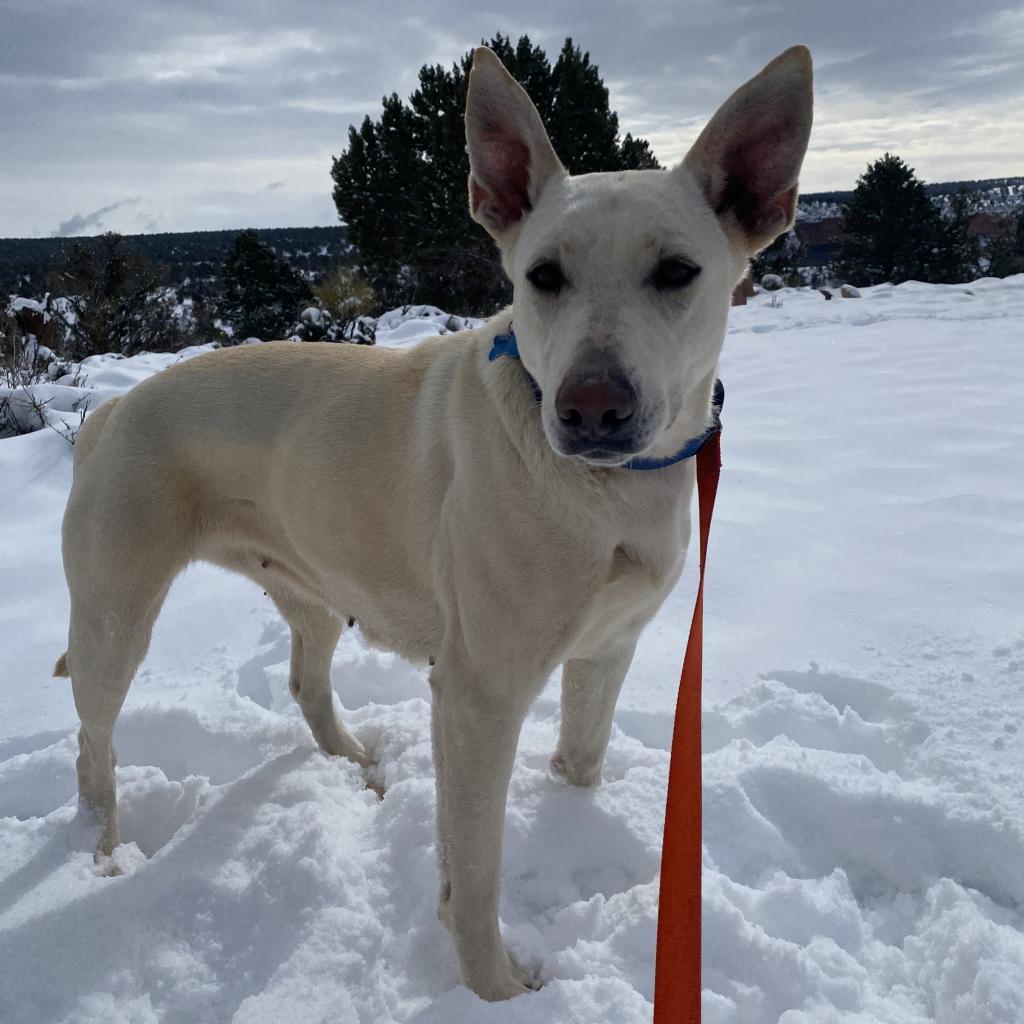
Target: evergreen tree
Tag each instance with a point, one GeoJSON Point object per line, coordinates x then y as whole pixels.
{"type": "Point", "coordinates": [262, 295]}
{"type": "Point", "coordinates": [401, 185]}
{"type": "Point", "coordinates": [958, 251]}
{"type": "Point", "coordinates": [637, 155]}
{"type": "Point", "coordinates": [891, 230]}
{"type": "Point", "coordinates": [1005, 252]}
{"type": "Point", "coordinates": [785, 257]}
{"type": "Point", "coordinates": [582, 127]}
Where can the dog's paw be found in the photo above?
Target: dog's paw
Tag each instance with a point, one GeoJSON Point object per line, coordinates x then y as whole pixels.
{"type": "Point", "coordinates": [527, 980]}
{"type": "Point", "coordinates": [124, 859]}
{"type": "Point", "coordinates": [587, 777]}
{"type": "Point", "coordinates": [374, 781]}
{"type": "Point", "coordinates": [506, 983]}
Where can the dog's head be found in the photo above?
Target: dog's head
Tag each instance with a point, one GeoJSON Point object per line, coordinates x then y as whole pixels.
{"type": "Point", "coordinates": [623, 280]}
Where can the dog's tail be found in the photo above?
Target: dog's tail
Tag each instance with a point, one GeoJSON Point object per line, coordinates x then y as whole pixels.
{"type": "Point", "coordinates": [60, 670]}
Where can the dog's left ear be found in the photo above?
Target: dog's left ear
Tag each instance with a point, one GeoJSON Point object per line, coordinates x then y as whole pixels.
{"type": "Point", "coordinates": [510, 155]}
{"type": "Point", "coordinates": [747, 160]}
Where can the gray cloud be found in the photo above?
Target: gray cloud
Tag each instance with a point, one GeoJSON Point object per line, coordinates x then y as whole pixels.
{"type": "Point", "coordinates": [80, 223]}
{"type": "Point", "coordinates": [197, 106]}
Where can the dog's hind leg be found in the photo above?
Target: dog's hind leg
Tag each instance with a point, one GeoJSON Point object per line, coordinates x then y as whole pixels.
{"type": "Point", "coordinates": [118, 583]}
{"type": "Point", "coordinates": [101, 673]}
{"type": "Point", "coordinates": [315, 633]}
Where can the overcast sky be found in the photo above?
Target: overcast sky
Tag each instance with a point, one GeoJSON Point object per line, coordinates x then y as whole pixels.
{"type": "Point", "coordinates": [179, 115]}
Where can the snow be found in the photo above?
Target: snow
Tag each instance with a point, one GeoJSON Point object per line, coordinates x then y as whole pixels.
{"type": "Point", "coordinates": [20, 303]}
{"type": "Point", "coordinates": [863, 730]}
{"type": "Point", "coordinates": [815, 210]}
{"type": "Point", "coordinates": [407, 325]}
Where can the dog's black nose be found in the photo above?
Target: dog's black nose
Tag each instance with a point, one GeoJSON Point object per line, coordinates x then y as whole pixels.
{"type": "Point", "coordinates": [595, 408]}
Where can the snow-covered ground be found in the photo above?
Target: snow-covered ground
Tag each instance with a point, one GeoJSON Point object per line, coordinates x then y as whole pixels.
{"type": "Point", "coordinates": [864, 737]}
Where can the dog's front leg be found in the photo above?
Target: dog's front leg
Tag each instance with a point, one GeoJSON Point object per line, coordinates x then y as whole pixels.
{"type": "Point", "coordinates": [590, 689]}
{"type": "Point", "coordinates": [476, 719]}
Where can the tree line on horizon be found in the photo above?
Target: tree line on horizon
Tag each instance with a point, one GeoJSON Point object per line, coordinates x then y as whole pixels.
{"type": "Point", "coordinates": [400, 189]}
{"type": "Point", "coordinates": [892, 230]}
{"type": "Point", "coordinates": [190, 257]}
{"type": "Point", "coordinates": [106, 296]}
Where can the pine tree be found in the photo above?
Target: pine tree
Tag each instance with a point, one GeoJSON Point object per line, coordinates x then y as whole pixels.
{"type": "Point", "coordinates": [401, 185]}
{"type": "Point", "coordinates": [891, 230]}
{"type": "Point", "coordinates": [582, 127]}
{"type": "Point", "coordinates": [958, 251]}
{"type": "Point", "coordinates": [262, 295]}
{"type": "Point", "coordinates": [1005, 252]}
{"type": "Point", "coordinates": [637, 155]}
{"type": "Point", "coordinates": [785, 257]}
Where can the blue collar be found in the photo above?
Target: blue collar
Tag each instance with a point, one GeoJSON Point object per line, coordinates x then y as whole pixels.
{"type": "Point", "coordinates": [506, 345]}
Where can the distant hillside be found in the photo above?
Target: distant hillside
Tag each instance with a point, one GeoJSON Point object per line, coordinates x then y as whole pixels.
{"type": "Point", "coordinates": [197, 255]}
{"type": "Point", "coordinates": [993, 200]}
{"type": "Point", "coordinates": [990, 195]}
{"type": "Point", "coordinates": [188, 255]}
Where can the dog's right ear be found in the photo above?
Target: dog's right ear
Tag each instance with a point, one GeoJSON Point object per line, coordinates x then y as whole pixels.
{"type": "Point", "coordinates": [747, 160]}
{"type": "Point", "coordinates": [510, 155]}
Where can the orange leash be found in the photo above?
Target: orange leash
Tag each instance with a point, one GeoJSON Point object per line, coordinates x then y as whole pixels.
{"type": "Point", "coordinates": [677, 985]}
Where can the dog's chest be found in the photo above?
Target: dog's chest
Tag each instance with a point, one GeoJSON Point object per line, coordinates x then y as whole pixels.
{"type": "Point", "coordinates": [637, 578]}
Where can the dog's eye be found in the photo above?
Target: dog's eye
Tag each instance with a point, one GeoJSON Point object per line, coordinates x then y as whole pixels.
{"type": "Point", "coordinates": [547, 277]}
{"type": "Point", "coordinates": [673, 273]}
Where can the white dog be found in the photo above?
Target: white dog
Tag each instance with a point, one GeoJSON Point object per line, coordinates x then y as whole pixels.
{"type": "Point", "coordinates": [485, 514]}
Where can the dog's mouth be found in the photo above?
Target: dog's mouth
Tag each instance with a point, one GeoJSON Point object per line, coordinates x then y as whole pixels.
{"type": "Point", "coordinates": [605, 453]}
{"type": "Point", "coordinates": [604, 459]}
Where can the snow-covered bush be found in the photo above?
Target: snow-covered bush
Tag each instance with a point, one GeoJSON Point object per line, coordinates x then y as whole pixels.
{"type": "Point", "coordinates": [27, 367]}
{"type": "Point", "coordinates": [28, 329]}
